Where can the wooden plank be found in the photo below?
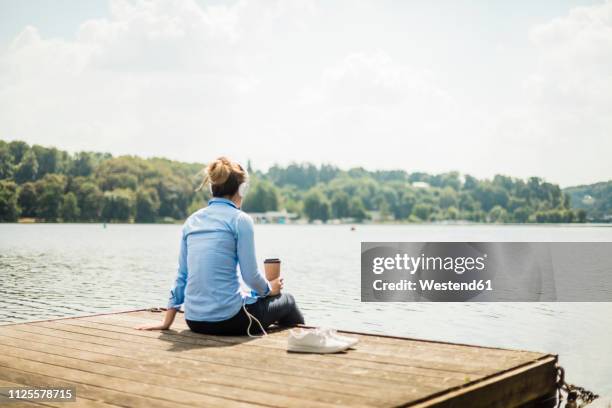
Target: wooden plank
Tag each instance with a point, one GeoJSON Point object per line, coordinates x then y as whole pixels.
{"type": "Point", "coordinates": [175, 365]}
{"type": "Point", "coordinates": [511, 389]}
{"type": "Point", "coordinates": [93, 392]}
{"type": "Point", "coordinates": [433, 359]}
{"type": "Point", "coordinates": [155, 393]}
{"type": "Point", "coordinates": [113, 364]}
{"type": "Point", "coordinates": [185, 383]}
{"type": "Point", "coordinates": [398, 342]}
{"type": "Point", "coordinates": [326, 368]}
{"type": "Point", "coordinates": [203, 342]}
{"type": "Point", "coordinates": [371, 344]}
{"type": "Point", "coordinates": [360, 378]}
{"type": "Point", "coordinates": [172, 376]}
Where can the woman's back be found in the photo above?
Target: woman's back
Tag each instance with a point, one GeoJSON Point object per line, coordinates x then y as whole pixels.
{"type": "Point", "coordinates": [215, 240]}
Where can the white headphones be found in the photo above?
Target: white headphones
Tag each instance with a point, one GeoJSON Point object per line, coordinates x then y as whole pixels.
{"type": "Point", "coordinates": [243, 188]}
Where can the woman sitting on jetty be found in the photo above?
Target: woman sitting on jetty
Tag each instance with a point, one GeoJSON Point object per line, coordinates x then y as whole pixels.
{"type": "Point", "coordinates": [215, 240]}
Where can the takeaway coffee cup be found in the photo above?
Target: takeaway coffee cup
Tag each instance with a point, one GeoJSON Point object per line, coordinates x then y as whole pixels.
{"type": "Point", "coordinates": [272, 268]}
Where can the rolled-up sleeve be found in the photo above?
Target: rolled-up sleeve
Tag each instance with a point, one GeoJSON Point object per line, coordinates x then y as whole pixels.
{"type": "Point", "coordinates": [177, 294]}
{"type": "Point", "coordinates": [246, 256]}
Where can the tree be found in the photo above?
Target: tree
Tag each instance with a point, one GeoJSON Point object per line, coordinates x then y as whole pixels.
{"type": "Point", "coordinates": [262, 197]}
{"type": "Point", "coordinates": [82, 165]}
{"type": "Point", "coordinates": [448, 198]}
{"type": "Point", "coordinates": [70, 207]}
{"type": "Point", "coordinates": [6, 162]}
{"type": "Point", "coordinates": [147, 205]}
{"type": "Point", "coordinates": [48, 160]}
{"type": "Point", "coordinates": [521, 214]}
{"type": "Point", "coordinates": [404, 205]}
{"type": "Point", "coordinates": [357, 210]}
{"type": "Point", "coordinates": [490, 195]}
{"type": "Point", "coordinates": [422, 211]}
{"type": "Point", "coordinates": [470, 182]}
{"type": "Point", "coordinates": [467, 202]}
{"type": "Point", "coordinates": [9, 211]}
{"type": "Point", "coordinates": [498, 214]}
{"type": "Point", "coordinates": [452, 213]}
{"type": "Point", "coordinates": [118, 205]}
{"type": "Point", "coordinates": [302, 176]}
{"type": "Point", "coordinates": [28, 199]}
{"type": "Point", "coordinates": [18, 149]}
{"type": "Point", "coordinates": [340, 205]}
{"type": "Point", "coordinates": [175, 195]}
{"type": "Point", "coordinates": [27, 169]}
{"type": "Point", "coordinates": [89, 198]}
{"type": "Point", "coordinates": [50, 192]}
{"type": "Point", "coordinates": [327, 173]}
{"type": "Point", "coordinates": [316, 206]}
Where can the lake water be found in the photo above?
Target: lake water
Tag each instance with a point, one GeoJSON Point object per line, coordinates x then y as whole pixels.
{"type": "Point", "coordinates": [54, 270]}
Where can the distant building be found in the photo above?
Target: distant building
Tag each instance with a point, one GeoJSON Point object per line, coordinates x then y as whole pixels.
{"type": "Point", "coordinates": [587, 199]}
{"type": "Point", "coordinates": [420, 184]}
{"type": "Point", "coordinates": [274, 217]}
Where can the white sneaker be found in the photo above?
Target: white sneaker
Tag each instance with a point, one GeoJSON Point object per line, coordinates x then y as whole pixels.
{"type": "Point", "coordinates": [314, 341]}
{"type": "Point", "coordinates": [351, 341]}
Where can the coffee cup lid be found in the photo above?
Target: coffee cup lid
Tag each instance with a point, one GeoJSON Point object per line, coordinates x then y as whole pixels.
{"type": "Point", "coordinates": [272, 260]}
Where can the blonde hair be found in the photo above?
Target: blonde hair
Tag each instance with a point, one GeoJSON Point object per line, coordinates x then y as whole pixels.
{"type": "Point", "coordinates": [224, 176]}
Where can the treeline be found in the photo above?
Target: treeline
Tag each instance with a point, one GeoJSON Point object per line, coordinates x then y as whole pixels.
{"type": "Point", "coordinates": [48, 184]}
{"type": "Point", "coordinates": [51, 185]}
{"type": "Point", "coordinates": [327, 192]}
{"type": "Point", "coordinates": [595, 199]}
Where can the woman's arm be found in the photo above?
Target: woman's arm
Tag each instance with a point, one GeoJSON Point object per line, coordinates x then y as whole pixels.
{"type": "Point", "coordinates": [165, 325]}
{"type": "Point", "coordinates": [246, 256]}
{"type": "Point", "coordinates": [177, 294]}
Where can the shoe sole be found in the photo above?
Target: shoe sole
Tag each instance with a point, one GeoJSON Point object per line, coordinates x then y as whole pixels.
{"type": "Point", "coordinates": [297, 349]}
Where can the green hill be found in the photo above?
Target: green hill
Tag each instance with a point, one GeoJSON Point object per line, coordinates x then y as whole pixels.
{"type": "Point", "coordinates": [595, 199]}
{"type": "Point", "coordinates": [47, 184]}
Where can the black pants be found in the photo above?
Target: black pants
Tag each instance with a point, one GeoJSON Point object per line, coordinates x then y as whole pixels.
{"type": "Point", "coordinates": [280, 309]}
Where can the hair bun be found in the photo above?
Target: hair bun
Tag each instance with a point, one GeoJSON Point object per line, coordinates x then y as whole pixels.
{"type": "Point", "coordinates": [219, 170]}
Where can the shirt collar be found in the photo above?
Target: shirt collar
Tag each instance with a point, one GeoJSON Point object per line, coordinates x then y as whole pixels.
{"type": "Point", "coordinates": [221, 200]}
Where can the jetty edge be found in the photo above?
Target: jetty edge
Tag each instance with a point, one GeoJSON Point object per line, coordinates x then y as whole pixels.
{"type": "Point", "coordinates": [110, 364]}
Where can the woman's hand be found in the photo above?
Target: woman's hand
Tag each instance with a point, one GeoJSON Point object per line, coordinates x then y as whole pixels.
{"type": "Point", "coordinates": [275, 286]}
{"type": "Point", "coordinates": [165, 325]}
{"type": "Point", "coordinates": [155, 326]}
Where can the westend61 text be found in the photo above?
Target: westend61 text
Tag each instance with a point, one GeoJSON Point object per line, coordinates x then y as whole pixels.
{"type": "Point", "coordinates": [429, 284]}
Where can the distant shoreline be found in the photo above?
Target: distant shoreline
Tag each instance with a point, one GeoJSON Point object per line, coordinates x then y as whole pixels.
{"type": "Point", "coordinates": [44, 183]}
{"type": "Point", "coordinates": [29, 221]}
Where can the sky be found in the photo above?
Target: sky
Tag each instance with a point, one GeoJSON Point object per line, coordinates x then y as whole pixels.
{"type": "Point", "coordinates": [481, 87]}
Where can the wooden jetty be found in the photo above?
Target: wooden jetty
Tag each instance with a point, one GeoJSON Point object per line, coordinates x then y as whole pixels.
{"type": "Point", "coordinates": [113, 365]}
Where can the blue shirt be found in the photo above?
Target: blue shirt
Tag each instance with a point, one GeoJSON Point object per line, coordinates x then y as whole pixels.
{"type": "Point", "coordinates": [215, 240]}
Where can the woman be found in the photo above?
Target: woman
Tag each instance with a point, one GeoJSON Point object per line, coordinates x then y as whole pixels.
{"type": "Point", "coordinates": [215, 240]}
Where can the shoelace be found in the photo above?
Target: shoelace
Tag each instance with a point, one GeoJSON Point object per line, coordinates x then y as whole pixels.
{"type": "Point", "coordinates": [251, 318]}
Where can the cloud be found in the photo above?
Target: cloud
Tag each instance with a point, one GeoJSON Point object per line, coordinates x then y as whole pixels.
{"type": "Point", "coordinates": [278, 81]}
{"type": "Point", "coordinates": [371, 107]}
{"type": "Point", "coordinates": [152, 74]}
{"type": "Point", "coordinates": [569, 93]}
{"type": "Point", "coordinates": [575, 63]}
